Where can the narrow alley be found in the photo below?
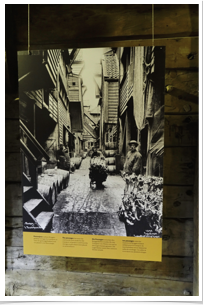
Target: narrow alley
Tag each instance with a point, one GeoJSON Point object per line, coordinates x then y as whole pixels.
{"type": "Point", "coordinates": [81, 210]}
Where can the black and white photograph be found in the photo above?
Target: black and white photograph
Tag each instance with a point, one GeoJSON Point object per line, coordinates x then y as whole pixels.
{"type": "Point", "coordinates": [92, 140]}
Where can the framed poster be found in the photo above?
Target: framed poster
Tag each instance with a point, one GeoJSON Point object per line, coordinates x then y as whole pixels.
{"type": "Point", "coordinates": [92, 144]}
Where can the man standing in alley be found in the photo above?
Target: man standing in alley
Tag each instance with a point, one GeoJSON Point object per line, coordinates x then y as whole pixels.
{"type": "Point", "coordinates": [132, 163]}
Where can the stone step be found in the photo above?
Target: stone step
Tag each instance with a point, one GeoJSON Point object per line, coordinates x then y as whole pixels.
{"type": "Point", "coordinates": [32, 204]}
{"type": "Point", "coordinates": [27, 188]}
{"type": "Point", "coordinates": [28, 192]}
{"type": "Point", "coordinates": [44, 218]}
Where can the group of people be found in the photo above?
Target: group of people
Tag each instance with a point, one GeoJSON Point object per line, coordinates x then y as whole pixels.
{"type": "Point", "coordinates": [131, 166]}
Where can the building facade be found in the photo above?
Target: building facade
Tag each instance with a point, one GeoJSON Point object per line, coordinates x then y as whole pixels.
{"type": "Point", "coordinates": [51, 107]}
{"type": "Point", "coordinates": [141, 105]}
{"type": "Point", "coordinates": [109, 99]}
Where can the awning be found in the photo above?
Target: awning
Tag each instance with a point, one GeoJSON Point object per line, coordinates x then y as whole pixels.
{"type": "Point", "coordinates": [33, 74]}
{"type": "Point", "coordinates": [35, 80]}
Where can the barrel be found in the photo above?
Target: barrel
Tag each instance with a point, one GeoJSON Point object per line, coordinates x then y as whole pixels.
{"type": "Point", "coordinates": [110, 153]}
{"type": "Point", "coordinates": [111, 161]}
{"type": "Point", "coordinates": [110, 145]}
{"type": "Point", "coordinates": [50, 181]}
{"type": "Point", "coordinates": [77, 161]}
{"type": "Point", "coordinates": [46, 192]}
{"type": "Point", "coordinates": [84, 155]}
{"type": "Point", "coordinates": [58, 172]}
{"type": "Point", "coordinates": [59, 177]}
{"type": "Point", "coordinates": [111, 169]}
{"type": "Point", "coordinates": [72, 166]}
{"type": "Point", "coordinates": [65, 182]}
{"type": "Point", "coordinates": [64, 178]}
{"type": "Point", "coordinates": [62, 174]}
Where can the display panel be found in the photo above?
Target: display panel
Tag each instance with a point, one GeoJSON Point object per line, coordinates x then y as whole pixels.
{"type": "Point", "coordinates": [92, 144]}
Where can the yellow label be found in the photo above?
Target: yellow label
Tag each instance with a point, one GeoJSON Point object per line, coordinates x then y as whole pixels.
{"type": "Point", "coordinates": [93, 246]}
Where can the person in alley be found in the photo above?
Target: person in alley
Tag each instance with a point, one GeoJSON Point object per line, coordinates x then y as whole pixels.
{"type": "Point", "coordinates": [132, 164]}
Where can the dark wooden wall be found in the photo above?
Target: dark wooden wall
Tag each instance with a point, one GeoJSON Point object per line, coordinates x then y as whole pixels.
{"type": "Point", "coordinates": [63, 26]}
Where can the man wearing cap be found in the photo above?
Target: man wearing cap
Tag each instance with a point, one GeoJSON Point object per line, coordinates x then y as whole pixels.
{"type": "Point", "coordinates": [131, 166]}
{"type": "Point", "coordinates": [133, 159]}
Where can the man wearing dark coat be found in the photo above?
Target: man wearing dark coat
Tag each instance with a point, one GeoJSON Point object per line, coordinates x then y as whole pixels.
{"type": "Point", "coordinates": [131, 168]}
{"type": "Point", "coordinates": [133, 159]}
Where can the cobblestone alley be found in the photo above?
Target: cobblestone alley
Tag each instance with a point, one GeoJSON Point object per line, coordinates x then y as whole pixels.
{"type": "Point", "coordinates": [81, 210]}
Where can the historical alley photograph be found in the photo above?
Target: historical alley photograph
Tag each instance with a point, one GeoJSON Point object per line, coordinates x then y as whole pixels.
{"type": "Point", "coordinates": [92, 140]}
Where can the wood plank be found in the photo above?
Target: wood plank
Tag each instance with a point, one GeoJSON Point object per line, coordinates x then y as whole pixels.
{"type": "Point", "coordinates": [59, 283]}
{"type": "Point", "coordinates": [13, 222]}
{"type": "Point", "coordinates": [51, 68]}
{"type": "Point", "coordinates": [177, 235]}
{"type": "Point", "coordinates": [122, 21]}
{"type": "Point", "coordinates": [173, 268]}
{"type": "Point", "coordinates": [16, 259]}
{"type": "Point", "coordinates": [179, 165]}
{"type": "Point", "coordinates": [13, 199]}
{"type": "Point", "coordinates": [196, 277]}
{"type": "Point", "coordinates": [184, 94]}
{"type": "Point", "coordinates": [14, 237]}
{"type": "Point", "coordinates": [179, 52]}
{"type": "Point", "coordinates": [55, 55]}
{"type": "Point", "coordinates": [12, 136]}
{"type": "Point", "coordinates": [177, 201]}
{"type": "Point", "coordinates": [12, 167]}
{"type": "Point", "coordinates": [14, 231]}
{"type": "Point", "coordinates": [181, 130]}
{"type": "Point", "coordinates": [50, 54]}
{"type": "Point", "coordinates": [11, 106]}
{"type": "Point", "coordinates": [11, 62]}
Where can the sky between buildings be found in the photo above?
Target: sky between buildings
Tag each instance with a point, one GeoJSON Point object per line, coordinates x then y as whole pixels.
{"type": "Point", "coordinates": [91, 73]}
